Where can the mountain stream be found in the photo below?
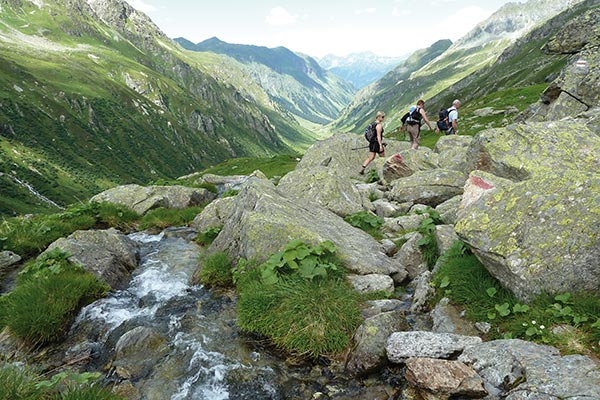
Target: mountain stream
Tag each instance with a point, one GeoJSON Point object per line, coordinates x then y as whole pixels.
{"type": "Point", "coordinates": [201, 355]}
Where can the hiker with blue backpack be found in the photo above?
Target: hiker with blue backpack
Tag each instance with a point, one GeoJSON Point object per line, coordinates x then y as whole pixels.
{"type": "Point", "coordinates": [412, 120]}
{"type": "Point", "coordinates": [374, 134]}
{"type": "Point", "coordinates": [448, 119]}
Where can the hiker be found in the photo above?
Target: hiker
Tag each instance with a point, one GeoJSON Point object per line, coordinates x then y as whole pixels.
{"type": "Point", "coordinates": [452, 119]}
{"type": "Point", "coordinates": [413, 122]}
{"type": "Point", "coordinates": [376, 142]}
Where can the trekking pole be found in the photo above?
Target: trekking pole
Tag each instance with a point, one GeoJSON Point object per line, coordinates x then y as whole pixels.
{"type": "Point", "coordinates": [357, 148]}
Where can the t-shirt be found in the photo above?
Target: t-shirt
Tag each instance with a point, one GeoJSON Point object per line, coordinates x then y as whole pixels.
{"type": "Point", "coordinates": [452, 115]}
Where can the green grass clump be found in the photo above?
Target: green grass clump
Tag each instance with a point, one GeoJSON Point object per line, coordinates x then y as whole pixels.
{"type": "Point", "coordinates": [304, 314]}
{"type": "Point", "coordinates": [428, 244]}
{"type": "Point", "coordinates": [28, 236]}
{"type": "Point", "coordinates": [49, 293]}
{"type": "Point", "coordinates": [205, 238]}
{"type": "Point", "coordinates": [161, 218]}
{"type": "Point", "coordinates": [468, 284]}
{"type": "Point", "coordinates": [216, 270]}
{"type": "Point", "coordinates": [368, 222]}
{"type": "Point", "coordinates": [270, 166]}
{"type": "Point", "coordinates": [18, 383]}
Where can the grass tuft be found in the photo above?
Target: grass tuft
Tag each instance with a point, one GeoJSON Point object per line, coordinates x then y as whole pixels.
{"type": "Point", "coordinates": [161, 218]}
{"type": "Point", "coordinates": [216, 270]}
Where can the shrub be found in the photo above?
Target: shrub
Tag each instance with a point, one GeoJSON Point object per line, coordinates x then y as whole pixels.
{"type": "Point", "coordinates": [368, 222]}
{"type": "Point", "coordinates": [161, 218]}
{"type": "Point", "coordinates": [428, 243]}
{"type": "Point", "coordinates": [216, 270]}
{"type": "Point", "coordinates": [49, 293]}
{"type": "Point", "coordinates": [372, 176]}
{"type": "Point", "coordinates": [307, 314]}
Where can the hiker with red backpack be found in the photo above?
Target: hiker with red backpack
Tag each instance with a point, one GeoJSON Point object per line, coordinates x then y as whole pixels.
{"type": "Point", "coordinates": [374, 134]}
{"type": "Point", "coordinates": [448, 119]}
{"type": "Point", "coordinates": [412, 120]}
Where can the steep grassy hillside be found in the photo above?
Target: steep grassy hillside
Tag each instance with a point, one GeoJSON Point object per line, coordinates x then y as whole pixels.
{"type": "Point", "coordinates": [96, 96]}
{"type": "Point", "coordinates": [296, 82]}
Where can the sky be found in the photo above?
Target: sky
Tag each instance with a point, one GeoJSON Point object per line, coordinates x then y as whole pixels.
{"type": "Point", "coordinates": [320, 27]}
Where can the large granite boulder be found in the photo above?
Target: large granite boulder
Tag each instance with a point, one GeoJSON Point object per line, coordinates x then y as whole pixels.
{"type": "Point", "coordinates": [141, 199]}
{"type": "Point", "coordinates": [405, 163]}
{"type": "Point", "coordinates": [452, 150]}
{"type": "Point", "coordinates": [577, 88]}
{"type": "Point", "coordinates": [213, 214]}
{"type": "Point", "coordinates": [262, 221]}
{"type": "Point", "coordinates": [323, 185]}
{"type": "Point", "coordinates": [430, 187]}
{"type": "Point", "coordinates": [404, 345]}
{"type": "Point", "coordinates": [108, 254]}
{"type": "Point", "coordinates": [520, 370]}
{"type": "Point", "coordinates": [344, 153]}
{"type": "Point", "coordinates": [517, 152]}
{"type": "Point", "coordinates": [539, 235]}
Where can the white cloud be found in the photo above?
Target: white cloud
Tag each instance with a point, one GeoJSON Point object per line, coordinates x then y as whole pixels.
{"type": "Point", "coordinates": [365, 11]}
{"type": "Point", "coordinates": [142, 6]}
{"type": "Point", "coordinates": [400, 12]}
{"type": "Point", "coordinates": [280, 16]}
{"type": "Point", "coordinates": [463, 20]}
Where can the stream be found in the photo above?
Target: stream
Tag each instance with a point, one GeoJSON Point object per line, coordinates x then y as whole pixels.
{"type": "Point", "coordinates": [203, 356]}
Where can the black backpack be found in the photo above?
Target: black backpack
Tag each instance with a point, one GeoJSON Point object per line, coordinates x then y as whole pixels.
{"type": "Point", "coordinates": [413, 117]}
{"type": "Point", "coordinates": [371, 132]}
{"type": "Point", "coordinates": [443, 115]}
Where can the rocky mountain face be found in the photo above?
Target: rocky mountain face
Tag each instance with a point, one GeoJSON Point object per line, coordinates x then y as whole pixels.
{"type": "Point", "coordinates": [360, 69]}
{"type": "Point", "coordinates": [92, 93]}
{"type": "Point", "coordinates": [296, 82]}
{"type": "Point", "coordinates": [441, 79]}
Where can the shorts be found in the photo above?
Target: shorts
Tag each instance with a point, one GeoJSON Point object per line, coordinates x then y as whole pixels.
{"type": "Point", "coordinates": [414, 131]}
{"type": "Point", "coordinates": [374, 147]}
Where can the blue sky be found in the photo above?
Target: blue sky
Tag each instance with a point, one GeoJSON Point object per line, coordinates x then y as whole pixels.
{"type": "Point", "coordinates": [320, 27]}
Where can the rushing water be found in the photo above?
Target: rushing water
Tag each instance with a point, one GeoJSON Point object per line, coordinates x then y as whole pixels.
{"type": "Point", "coordinates": [204, 356]}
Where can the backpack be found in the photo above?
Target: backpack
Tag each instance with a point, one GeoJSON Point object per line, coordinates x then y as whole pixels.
{"type": "Point", "coordinates": [414, 116]}
{"type": "Point", "coordinates": [443, 115]}
{"type": "Point", "coordinates": [371, 132]}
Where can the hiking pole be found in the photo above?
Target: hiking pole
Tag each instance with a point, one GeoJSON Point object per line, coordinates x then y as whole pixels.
{"type": "Point", "coordinates": [357, 148]}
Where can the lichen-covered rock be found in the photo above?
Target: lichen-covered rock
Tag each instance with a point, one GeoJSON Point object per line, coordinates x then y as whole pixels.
{"type": "Point", "coordinates": [410, 256]}
{"type": "Point", "coordinates": [519, 370]}
{"type": "Point", "coordinates": [213, 214]}
{"type": "Point", "coordinates": [442, 379]}
{"type": "Point", "coordinates": [448, 210]}
{"type": "Point", "coordinates": [445, 236]}
{"type": "Point", "coordinates": [452, 150]}
{"type": "Point", "coordinates": [428, 187]}
{"type": "Point", "coordinates": [372, 283]}
{"type": "Point", "coordinates": [403, 345]}
{"type": "Point", "coordinates": [324, 186]}
{"type": "Point", "coordinates": [262, 221]}
{"type": "Point", "coordinates": [141, 199]}
{"type": "Point", "coordinates": [344, 153]}
{"type": "Point", "coordinates": [423, 290]}
{"type": "Point", "coordinates": [230, 182]}
{"type": "Point", "coordinates": [137, 351]}
{"type": "Point", "coordinates": [539, 235]}
{"type": "Point", "coordinates": [478, 185]}
{"type": "Point", "coordinates": [405, 163]}
{"type": "Point", "coordinates": [370, 338]}
{"type": "Point", "coordinates": [108, 254]}
{"type": "Point", "coordinates": [517, 152]}
{"type": "Point", "coordinates": [447, 319]}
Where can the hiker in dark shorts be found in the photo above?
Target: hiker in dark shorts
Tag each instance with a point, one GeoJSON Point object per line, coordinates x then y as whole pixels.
{"type": "Point", "coordinates": [375, 145]}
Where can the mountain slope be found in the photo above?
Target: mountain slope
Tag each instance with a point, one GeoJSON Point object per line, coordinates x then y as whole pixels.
{"type": "Point", "coordinates": [360, 69]}
{"type": "Point", "coordinates": [294, 81]}
{"type": "Point", "coordinates": [93, 94]}
{"type": "Point", "coordinates": [476, 51]}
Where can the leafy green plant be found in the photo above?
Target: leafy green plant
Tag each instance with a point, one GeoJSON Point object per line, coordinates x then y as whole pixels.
{"type": "Point", "coordinates": [18, 382]}
{"type": "Point", "coordinates": [298, 257]}
{"type": "Point", "coordinates": [368, 222]}
{"type": "Point", "coordinates": [49, 293]}
{"type": "Point", "coordinates": [205, 238]}
{"type": "Point", "coordinates": [428, 243]}
{"type": "Point", "coordinates": [216, 270]}
{"type": "Point", "coordinates": [372, 176]}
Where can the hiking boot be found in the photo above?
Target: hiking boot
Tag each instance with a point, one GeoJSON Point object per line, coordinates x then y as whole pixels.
{"type": "Point", "coordinates": [362, 171]}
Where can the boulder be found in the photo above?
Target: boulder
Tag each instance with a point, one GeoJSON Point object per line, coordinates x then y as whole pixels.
{"type": "Point", "coordinates": [539, 235]}
{"type": "Point", "coordinates": [445, 236]}
{"type": "Point", "coordinates": [8, 258]}
{"type": "Point", "coordinates": [345, 153]}
{"type": "Point", "coordinates": [372, 283]}
{"type": "Point", "coordinates": [407, 223]}
{"type": "Point", "coordinates": [385, 209]}
{"type": "Point", "coordinates": [428, 187]}
{"type": "Point", "coordinates": [517, 152]}
{"type": "Point", "coordinates": [452, 150]}
{"type": "Point", "coordinates": [518, 370]}
{"type": "Point", "coordinates": [443, 380]}
{"type": "Point", "coordinates": [404, 345]}
{"type": "Point", "coordinates": [447, 319]}
{"type": "Point", "coordinates": [141, 199]}
{"type": "Point", "coordinates": [423, 290]}
{"type": "Point", "coordinates": [138, 351]}
{"type": "Point", "coordinates": [410, 256]}
{"type": "Point", "coordinates": [368, 353]}
{"type": "Point", "coordinates": [213, 214]}
{"type": "Point", "coordinates": [405, 163]}
{"type": "Point", "coordinates": [108, 254]}
{"type": "Point", "coordinates": [262, 221]}
{"type": "Point", "coordinates": [479, 184]}
{"type": "Point", "coordinates": [230, 182]}
{"type": "Point", "coordinates": [324, 186]}
{"type": "Point", "coordinates": [448, 210]}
